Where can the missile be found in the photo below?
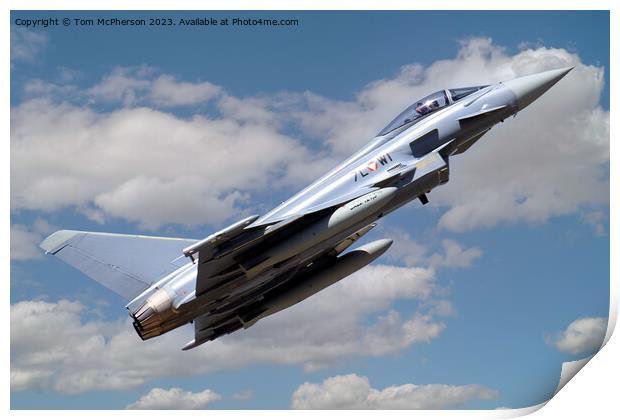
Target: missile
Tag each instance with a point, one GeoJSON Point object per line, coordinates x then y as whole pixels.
{"type": "Point", "coordinates": [344, 266]}
{"type": "Point", "coordinates": [279, 300]}
{"type": "Point", "coordinates": [219, 236]}
{"type": "Point", "coordinates": [342, 218]}
{"type": "Point", "coordinates": [162, 303]}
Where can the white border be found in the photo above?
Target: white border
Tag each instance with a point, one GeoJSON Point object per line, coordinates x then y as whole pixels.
{"type": "Point", "coordinates": [594, 393]}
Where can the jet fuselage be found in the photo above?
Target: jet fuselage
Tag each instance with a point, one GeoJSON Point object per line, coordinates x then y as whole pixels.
{"type": "Point", "coordinates": [261, 265]}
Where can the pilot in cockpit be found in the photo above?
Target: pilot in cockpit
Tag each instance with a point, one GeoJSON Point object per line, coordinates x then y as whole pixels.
{"type": "Point", "coordinates": [424, 108]}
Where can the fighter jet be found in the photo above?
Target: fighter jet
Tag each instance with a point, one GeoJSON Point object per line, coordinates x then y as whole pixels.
{"type": "Point", "coordinates": [264, 264]}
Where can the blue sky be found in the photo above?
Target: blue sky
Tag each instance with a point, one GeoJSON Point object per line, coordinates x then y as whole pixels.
{"type": "Point", "coordinates": [529, 257]}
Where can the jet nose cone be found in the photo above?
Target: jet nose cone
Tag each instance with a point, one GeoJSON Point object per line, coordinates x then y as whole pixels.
{"type": "Point", "coordinates": [529, 88]}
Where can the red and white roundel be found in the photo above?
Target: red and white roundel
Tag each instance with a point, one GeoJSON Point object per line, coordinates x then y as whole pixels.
{"type": "Point", "coordinates": [372, 166]}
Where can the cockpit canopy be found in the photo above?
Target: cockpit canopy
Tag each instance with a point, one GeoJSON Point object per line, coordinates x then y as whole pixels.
{"type": "Point", "coordinates": [460, 93]}
{"type": "Point", "coordinates": [428, 105]}
{"type": "Point", "coordinates": [419, 109]}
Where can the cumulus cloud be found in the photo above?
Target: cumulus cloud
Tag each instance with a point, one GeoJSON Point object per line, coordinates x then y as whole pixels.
{"type": "Point", "coordinates": [140, 85]}
{"type": "Point", "coordinates": [167, 91]}
{"type": "Point", "coordinates": [552, 160]}
{"type": "Point", "coordinates": [352, 318]}
{"type": "Point", "coordinates": [405, 248]}
{"type": "Point", "coordinates": [250, 109]}
{"type": "Point", "coordinates": [412, 252]}
{"type": "Point", "coordinates": [122, 85]}
{"type": "Point", "coordinates": [129, 199]}
{"type": "Point", "coordinates": [25, 240]}
{"type": "Point", "coordinates": [455, 255]}
{"type": "Point", "coordinates": [355, 392]}
{"type": "Point", "coordinates": [24, 243]}
{"type": "Point", "coordinates": [30, 378]}
{"type": "Point", "coordinates": [582, 335]}
{"type": "Point", "coordinates": [26, 44]}
{"type": "Point", "coordinates": [175, 399]}
{"type": "Point", "coordinates": [39, 87]}
{"type": "Point", "coordinates": [141, 164]}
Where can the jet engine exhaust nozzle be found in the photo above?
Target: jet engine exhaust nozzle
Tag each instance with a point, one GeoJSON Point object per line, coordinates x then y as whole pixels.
{"type": "Point", "coordinates": [149, 317]}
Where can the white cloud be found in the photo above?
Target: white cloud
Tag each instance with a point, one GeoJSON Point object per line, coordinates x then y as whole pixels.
{"type": "Point", "coordinates": [140, 164]}
{"type": "Point", "coordinates": [131, 198]}
{"type": "Point", "coordinates": [123, 85]}
{"type": "Point", "coordinates": [412, 252]}
{"type": "Point", "coordinates": [349, 319]}
{"type": "Point", "coordinates": [405, 248]}
{"type": "Point", "coordinates": [153, 167]}
{"type": "Point", "coordinates": [454, 255]}
{"type": "Point", "coordinates": [166, 91]}
{"type": "Point", "coordinates": [582, 335]}
{"type": "Point", "coordinates": [139, 85]}
{"type": "Point", "coordinates": [25, 240]}
{"type": "Point", "coordinates": [175, 399]}
{"type": "Point", "coordinates": [26, 44]}
{"type": "Point", "coordinates": [30, 378]}
{"type": "Point", "coordinates": [256, 110]}
{"type": "Point", "coordinates": [551, 160]}
{"type": "Point", "coordinates": [354, 392]}
{"type": "Point", "coordinates": [24, 243]}
{"type": "Point", "coordinates": [39, 87]}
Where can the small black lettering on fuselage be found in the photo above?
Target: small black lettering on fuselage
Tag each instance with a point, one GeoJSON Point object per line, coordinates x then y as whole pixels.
{"type": "Point", "coordinates": [364, 202]}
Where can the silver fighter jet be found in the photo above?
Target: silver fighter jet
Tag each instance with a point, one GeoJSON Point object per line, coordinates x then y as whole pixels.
{"type": "Point", "coordinates": [262, 265]}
